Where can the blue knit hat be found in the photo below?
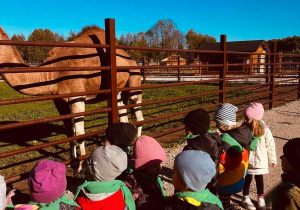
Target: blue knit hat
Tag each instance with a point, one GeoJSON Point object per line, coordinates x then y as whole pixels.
{"type": "Point", "coordinates": [226, 115]}
{"type": "Point", "coordinates": [195, 168]}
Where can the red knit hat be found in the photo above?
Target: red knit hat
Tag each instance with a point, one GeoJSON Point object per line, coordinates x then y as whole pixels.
{"type": "Point", "coordinates": [255, 111]}
{"type": "Point", "coordinates": [147, 153]}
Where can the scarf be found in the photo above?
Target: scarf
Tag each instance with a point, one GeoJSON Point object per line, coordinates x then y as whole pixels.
{"type": "Point", "coordinates": [126, 150]}
{"type": "Point", "coordinates": [201, 196]}
{"type": "Point", "coordinates": [190, 136]}
{"type": "Point", "coordinates": [95, 187]}
{"type": "Point", "coordinates": [254, 142]}
{"type": "Point", "coordinates": [55, 204]}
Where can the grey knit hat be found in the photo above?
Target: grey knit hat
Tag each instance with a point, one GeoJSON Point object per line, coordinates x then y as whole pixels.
{"type": "Point", "coordinates": [2, 192]}
{"type": "Point", "coordinates": [226, 115]}
{"type": "Point", "coordinates": [106, 163]}
{"type": "Point", "coordinates": [195, 168]}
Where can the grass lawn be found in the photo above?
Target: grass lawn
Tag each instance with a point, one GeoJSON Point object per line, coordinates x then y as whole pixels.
{"type": "Point", "coordinates": [14, 139]}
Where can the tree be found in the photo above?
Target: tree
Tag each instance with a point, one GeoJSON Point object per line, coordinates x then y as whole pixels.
{"type": "Point", "coordinates": [39, 54]}
{"type": "Point", "coordinates": [194, 40]}
{"type": "Point", "coordinates": [72, 36]}
{"type": "Point", "coordinates": [22, 49]}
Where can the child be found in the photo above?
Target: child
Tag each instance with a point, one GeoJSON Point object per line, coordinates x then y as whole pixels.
{"type": "Point", "coordinates": [47, 184]}
{"type": "Point", "coordinates": [101, 190]}
{"type": "Point", "coordinates": [287, 194]}
{"type": "Point", "coordinates": [192, 171]}
{"type": "Point", "coordinates": [5, 200]}
{"type": "Point", "coordinates": [234, 160]}
{"type": "Point", "coordinates": [199, 137]}
{"type": "Point", "coordinates": [143, 181]}
{"type": "Point", "coordinates": [261, 152]}
{"type": "Point", "coordinates": [121, 135]}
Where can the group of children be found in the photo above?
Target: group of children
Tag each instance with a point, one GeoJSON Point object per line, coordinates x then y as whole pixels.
{"type": "Point", "coordinates": [212, 167]}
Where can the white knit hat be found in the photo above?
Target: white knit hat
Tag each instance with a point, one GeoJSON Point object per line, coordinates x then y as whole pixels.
{"type": "Point", "coordinates": [107, 162]}
{"type": "Point", "coordinates": [226, 115]}
{"type": "Point", "coordinates": [2, 192]}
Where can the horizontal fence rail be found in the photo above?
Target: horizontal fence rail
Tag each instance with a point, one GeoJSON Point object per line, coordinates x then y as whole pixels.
{"type": "Point", "coordinates": [240, 78]}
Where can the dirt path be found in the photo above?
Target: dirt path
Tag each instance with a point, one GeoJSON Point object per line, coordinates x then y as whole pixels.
{"type": "Point", "coordinates": [284, 122]}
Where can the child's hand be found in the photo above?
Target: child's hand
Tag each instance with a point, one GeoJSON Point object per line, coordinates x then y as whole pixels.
{"type": "Point", "coordinates": [273, 165]}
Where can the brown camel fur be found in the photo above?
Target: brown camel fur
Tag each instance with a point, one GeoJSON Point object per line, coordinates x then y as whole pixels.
{"type": "Point", "coordinates": [60, 82]}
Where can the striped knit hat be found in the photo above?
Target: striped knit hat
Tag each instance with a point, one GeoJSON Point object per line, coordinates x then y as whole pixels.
{"type": "Point", "coordinates": [226, 115]}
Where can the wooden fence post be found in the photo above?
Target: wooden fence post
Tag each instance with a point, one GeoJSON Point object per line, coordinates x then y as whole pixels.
{"type": "Point", "coordinates": [298, 82]}
{"type": "Point", "coordinates": [110, 39]}
{"type": "Point", "coordinates": [178, 63]}
{"type": "Point", "coordinates": [267, 68]}
{"type": "Point", "coordinates": [222, 73]}
{"type": "Point", "coordinates": [272, 77]}
{"type": "Point", "coordinates": [144, 70]}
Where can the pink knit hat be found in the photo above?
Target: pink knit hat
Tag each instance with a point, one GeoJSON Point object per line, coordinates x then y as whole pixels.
{"type": "Point", "coordinates": [47, 181]}
{"type": "Point", "coordinates": [255, 111]}
{"type": "Point", "coordinates": [147, 153]}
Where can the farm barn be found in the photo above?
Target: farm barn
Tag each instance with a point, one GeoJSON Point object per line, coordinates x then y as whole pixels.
{"type": "Point", "coordinates": [255, 46]}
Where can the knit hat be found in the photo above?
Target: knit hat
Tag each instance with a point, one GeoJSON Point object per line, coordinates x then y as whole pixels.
{"type": "Point", "coordinates": [147, 153]}
{"type": "Point", "coordinates": [255, 111]}
{"type": "Point", "coordinates": [2, 192]}
{"type": "Point", "coordinates": [226, 115]}
{"type": "Point", "coordinates": [198, 121]}
{"type": "Point", "coordinates": [107, 162]}
{"type": "Point", "coordinates": [121, 134]}
{"type": "Point", "coordinates": [195, 168]}
{"type": "Point", "coordinates": [47, 181]}
{"type": "Point", "coordinates": [291, 151]}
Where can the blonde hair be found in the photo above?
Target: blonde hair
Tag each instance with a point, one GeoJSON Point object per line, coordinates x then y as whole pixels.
{"type": "Point", "coordinates": [226, 128]}
{"type": "Point", "coordinates": [257, 128]}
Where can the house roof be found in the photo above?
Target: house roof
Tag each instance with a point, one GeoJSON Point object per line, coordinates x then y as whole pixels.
{"type": "Point", "coordinates": [168, 58]}
{"type": "Point", "coordinates": [239, 46]}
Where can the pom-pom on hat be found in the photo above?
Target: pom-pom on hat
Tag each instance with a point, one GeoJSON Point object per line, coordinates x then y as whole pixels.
{"type": "Point", "coordinates": [47, 181]}
{"type": "Point", "coordinates": [226, 115]}
{"type": "Point", "coordinates": [195, 168]}
{"type": "Point", "coordinates": [147, 153]}
{"type": "Point", "coordinates": [291, 151]}
{"type": "Point", "coordinates": [255, 111]}
{"type": "Point", "coordinates": [121, 134]}
{"type": "Point", "coordinates": [198, 121]}
{"type": "Point", "coordinates": [106, 163]}
{"type": "Point", "coordinates": [2, 192]}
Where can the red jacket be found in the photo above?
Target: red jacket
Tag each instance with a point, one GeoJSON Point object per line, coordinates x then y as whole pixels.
{"type": "Point", "coordinates": [115, 201]}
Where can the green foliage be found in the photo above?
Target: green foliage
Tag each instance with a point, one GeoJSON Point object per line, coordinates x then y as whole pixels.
{"type": "Point", "coordinates": [287, 44]}
{"type": "Point", "coordinates": [22, 49]}
{"type": "Point", "coordinates": [39, 54]}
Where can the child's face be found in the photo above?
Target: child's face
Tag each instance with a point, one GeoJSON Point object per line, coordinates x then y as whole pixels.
{"type": "Point", "coordinates": [248, 120]}
{"type": "Point", "coordinates": [178, 184]}
{"type": "Point", "coordinates": [286, 166]}
{"type": "Point", "coordinates": [154, 171]}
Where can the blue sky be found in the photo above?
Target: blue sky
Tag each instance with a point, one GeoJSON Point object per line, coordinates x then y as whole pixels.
{"type": "Point", "coordinates": [238, 19]}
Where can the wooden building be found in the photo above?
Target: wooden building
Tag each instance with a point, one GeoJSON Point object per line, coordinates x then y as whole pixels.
{"type": "Point", "coordinates": [255, 46]}
{"type": "Point", "coordinates": [173, 60]}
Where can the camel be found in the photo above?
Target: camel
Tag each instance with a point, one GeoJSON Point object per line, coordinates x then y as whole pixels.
{"type": "Point", "coordinates": [51, 83]}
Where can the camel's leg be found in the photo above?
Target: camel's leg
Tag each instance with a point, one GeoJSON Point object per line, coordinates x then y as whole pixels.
{"type": "Point", "coordinates": [122, 112]}
{"type": "Point", "coordinates": [78, 105]}
{"type": "Point", "coordinates": [136, 98]}
{"type": "Point", "coordinates": [63, 108]}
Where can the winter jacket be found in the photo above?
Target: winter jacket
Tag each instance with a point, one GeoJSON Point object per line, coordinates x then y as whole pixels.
{"type": "Point", "coordinates": [286, 196]}
{"type": "Point", "coordinates": [234, 160]}
{"type": "Point", "coordinates": [264, 153]}
{"type": "Point", "coordinates": [101, 201]}
{"type": "Point", "coordinates": [145, 193]}
{"type": "Point", "coordinates": [210, 143]}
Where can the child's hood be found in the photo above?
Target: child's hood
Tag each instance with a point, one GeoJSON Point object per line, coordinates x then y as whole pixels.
{"type": "Point", "coordinates": [242, 135]}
